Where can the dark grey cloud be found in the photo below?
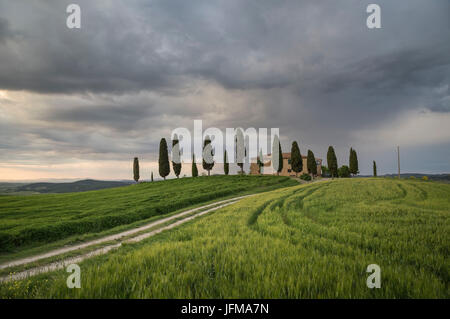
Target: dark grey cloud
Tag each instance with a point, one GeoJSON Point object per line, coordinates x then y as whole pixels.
{"type": "Point", "coordinates": [136, 45]}
{"type": "Point", "coordinates": [394, 72]}
{"type": "Point", "coordinates": [125, 117]}
{"type": "Point", "coordinates": [5, 33]}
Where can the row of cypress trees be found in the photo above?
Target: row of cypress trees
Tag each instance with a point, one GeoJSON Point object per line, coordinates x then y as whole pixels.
{"type": "Point", "coordinates": [164, 166]}
{"type": "Point", "coordinates": [296, 161]}
{"type": "Point", "coordinates": [333, 165]}
{"type": "Point", "coordinates": [163, 162]}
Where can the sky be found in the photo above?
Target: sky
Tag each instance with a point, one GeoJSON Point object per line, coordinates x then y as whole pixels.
{"type": "Point", "coordinates": [82, 103]}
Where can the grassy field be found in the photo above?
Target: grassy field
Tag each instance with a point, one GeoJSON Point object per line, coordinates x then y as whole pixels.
{"type": "Point", "coordinates": [30, 221]}
{"type": "Point", "coordinates": [308, 241]}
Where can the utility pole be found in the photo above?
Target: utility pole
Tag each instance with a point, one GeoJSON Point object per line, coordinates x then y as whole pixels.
{"type": "Point", "coordinates": [398, 160]}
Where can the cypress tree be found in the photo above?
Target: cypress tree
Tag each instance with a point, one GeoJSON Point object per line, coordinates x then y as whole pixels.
{"type": "Point", "coordinates": [176, 166]}
{"type": "Point", "coordinates": [311, 164]}
{"type": "Point", "coordinates": [241, 152]}
{"type": "Point", "coordinates": [164, 166]}
{"type": "Point", "coordinates": [194, 167]}
{"type": "Point", "coordinates": [332, 162]}
{"type": "Point", "coordinates": [207, 166]}
{"type": "Point", "coordinates": [280, 158]}
{"type": "Point", "coordinates": [374, 169]}
{"type": "Point", "coordinates": [136, 169]}
{"type": "Point", "coordinates": [260, 161]}
{"type": "Point", "coordinates": [275, 150]}
{"type": "Point", "coordinates": [353, 162]}
{"type": "Point", "coordinates": [314, 165]}
{"type": "Point", "coordinates": [152, 177]}
{"type": "Point", "coordinates": [296, 158]}
{"type": "Point", "coordinates": [226, 165]}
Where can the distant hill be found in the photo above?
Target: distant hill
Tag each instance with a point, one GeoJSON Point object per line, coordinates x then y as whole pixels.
{"type": "Point", "coordinates": [433, 177]}
{"type": "Point", "coordinates": [78, 186]}
{"type": "Point", "coordinates": [9, 188]}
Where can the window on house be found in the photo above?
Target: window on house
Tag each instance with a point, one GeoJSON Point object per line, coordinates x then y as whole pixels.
{"type": "Point", "coordinates": [289, 161]}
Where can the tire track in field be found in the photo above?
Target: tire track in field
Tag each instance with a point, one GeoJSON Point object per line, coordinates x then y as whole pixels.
{"type": "Point", "coordinates": [293, 203]}
{"type": "Point", "coordinates": [297, 202]}
{"type": "Point", "coordinates": [403, 190]}
{"type": "Point", "coordinates": [127, 233]}
{"type": "Point", "coordinates": [272, 205]}
{"type": "Point", "coordinates": [278, 202]}
{"type": "Point", "coordinates": [423, 193]}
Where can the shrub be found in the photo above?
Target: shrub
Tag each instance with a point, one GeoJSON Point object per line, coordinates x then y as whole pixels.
{"type": "Point", "coordinates": [325, 171]}
{"type": "Point", "coordinates": [344, 171]}
{"type": "Point", "coordinates": [305, 177]}
{"type": "Point", "coordinates": [425, 178]}
{"type": "Point", "coordinates": [412, 177]}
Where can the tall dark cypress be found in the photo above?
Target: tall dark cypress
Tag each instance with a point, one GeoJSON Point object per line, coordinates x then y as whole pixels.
{"type": "Point", "coordinates": [280, 159]}
{"type": "Point", "coordinates": [332, 162]}
{"type": "Point", "coordinates": [176, 166]}
{"type": "Point", "coordinates": [275, 150]}
{"type": "Point", "coordinates": [374, 169]}
{"type": "Point", "coordinates": [314, 164]}
{"type": "Point", "coordinates": [353, 162]}
{"type": "Point", "coordinates": [207, 166]}
{"type": "Point", "coordinates": [194, 167]}
{"type": "Point", "coordinates": [136, 169]}
{"type": "Point", "coordinates": [164, 166]}
{"type": "Point", "coordinates": [240, 150]}
{"type": "Point", "coordinates": [260, 161]}
{"type": "Point", "coordinates": [152, 177]}
{"type": "Point", "coordinates": [311, 163]}
{"type": "Point", "coordinates": [296, 158]}
{"type": "Point", "coordinates": [226, 165]}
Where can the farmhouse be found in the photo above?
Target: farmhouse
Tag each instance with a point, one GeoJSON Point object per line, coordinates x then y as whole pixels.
{"type": "Point", "coordinates": [267, 169]}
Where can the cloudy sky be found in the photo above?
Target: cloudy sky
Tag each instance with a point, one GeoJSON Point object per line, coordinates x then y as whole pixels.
{"type": "Point", "coordinates": [77, 103]}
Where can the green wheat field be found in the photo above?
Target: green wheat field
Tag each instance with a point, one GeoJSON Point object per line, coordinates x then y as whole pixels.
{"type": "Point", "coordinates": [29, 221]}
{"type": "Point", "coordinates": [304, 241]}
